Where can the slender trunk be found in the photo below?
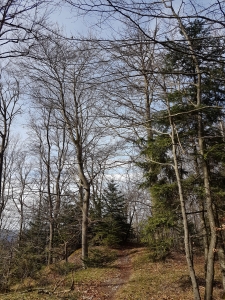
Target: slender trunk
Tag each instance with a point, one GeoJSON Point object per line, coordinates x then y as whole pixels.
{"type": "Point", "coordinates": [221, 256]}
{"type": "Point", "coordinates": [205, 234]}
{"type": "Point", "coordinates": [148, 101]}
{"type": "Point", "coordinates": [58, 178]}
{"type": "Point", "coordinates": [75, 132]}
{"type": "Point", "coordinates": [130, 224]}
{"type": "Point", "coordinates": [86, 200]}
{"type": "Point", "coordinates": [2, 151]}
{"type": "Point", "coordinates": [50, 201]}
{"type": "Point", "coordinates": [187, 243]}
{"type": "Point", "coordinates": [66, 251]}
{"type": "Point", "coordinates": [21, 221]}
{"type": "Point", "coordinates": [209, 205]}
{"type": "Point", "coordinates": [210, 214]}
{"type": "Point", "coordinates": [220, 248]}
{"type": "Point", "coordinates": [203, 227]}
{"type": "Point", "coordinates": [85, 210]}
{"type": "Point", "coordinates": [50, 243]}
{"type": "Point", "coordinates": [221, 242]}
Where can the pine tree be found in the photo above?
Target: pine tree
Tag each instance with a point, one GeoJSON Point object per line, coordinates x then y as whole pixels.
{"type": "Point", "coordinates": [68, 228]}
{"type": "Point", "coordinates": [193, 96]}
{"type": "Point", "coordinates": [113, 228]}
{"type": "Point", "coordinates": [31, 253]}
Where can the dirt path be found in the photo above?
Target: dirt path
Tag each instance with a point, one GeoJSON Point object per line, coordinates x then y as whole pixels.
{"type": "Point", "coordinates": [125, 268]}
{"type": "Point", "coordinates": [106, 290]}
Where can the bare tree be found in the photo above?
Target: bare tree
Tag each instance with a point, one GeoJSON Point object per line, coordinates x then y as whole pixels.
{"type": "Point", "coordinates": [50, 144]}
{"type": "Point", "coordinates": [20, 21]}
{"type": "Point", "coordinates": [9, 108]}
{"type": "Point", "coordinates": [174, 18]}
{"type": "Point", "coordinates": [20, 187]}
{"type": "Point", "coordinates": [64, 74]}
{"type": "Point", "coordinates": [130, 84]}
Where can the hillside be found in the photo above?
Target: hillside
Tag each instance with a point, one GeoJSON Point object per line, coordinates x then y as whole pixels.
{"type": "Point", "coordinates": [129, 275]}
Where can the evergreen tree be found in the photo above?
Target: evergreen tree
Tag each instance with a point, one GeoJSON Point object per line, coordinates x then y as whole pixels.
{"type": "Point", "coordinates": [162, 231]}
{"type": "Point", "coordinates": [31, 253]}
{"type": "Point", "coordinates": [193, 96]}
{"type": "Point", "coordinates": [113, 228]}
{"type": "Point", "coordinates": [68, 229]}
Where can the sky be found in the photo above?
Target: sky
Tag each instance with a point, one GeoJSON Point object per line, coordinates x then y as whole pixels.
{"type": "Point", "coordinates": [74, 26]}
{"type": "Point", "coordinates": [66, 19]}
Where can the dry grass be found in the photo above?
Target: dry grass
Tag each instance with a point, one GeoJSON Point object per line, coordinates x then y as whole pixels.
{"type": "Point", "coordinates": [163, 280]}
{"type": "Point", "coordinates": [131, 276]}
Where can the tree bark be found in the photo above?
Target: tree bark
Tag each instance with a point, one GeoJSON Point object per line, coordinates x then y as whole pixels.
{"type": "Point", "coordinates": [204, 167]}
{"type": "Point", "coordinates": [187, 242]}
{"type": "Point", "coordinates": [2, 151]}
{"type": "Point", "coordinates": [85, 210]}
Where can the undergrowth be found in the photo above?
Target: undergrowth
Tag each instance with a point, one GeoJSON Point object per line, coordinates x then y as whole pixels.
{"type": "Point", "coordinates": [99, 258]}
{"type": "Point", "coordinates": [106, 275]}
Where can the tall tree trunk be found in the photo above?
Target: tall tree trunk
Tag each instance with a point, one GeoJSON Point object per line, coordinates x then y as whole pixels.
{"type": "Point", "coordinates": [221, 256]}
{"type": "Point", "coordinates": [50, 242]}
{"type": "Point", "coordinates": [85, 204]}
{"type": "Point", "coordinates": [85, 210]}
{"type": "Point", "coordinates": [148, 101]}
{"type": "Point", "coordinates": [50, 200]}
{"type": "Point", "coordinates": [202, 209]}
{"type": "Point", "coordinates": [187, 242]}
{"type": "Point", "coordinates": [2, 151]}
{"type": "Point", "coordinates": [86, 186]}
{"type": "Point", "coordinates": [203, 164]}
{"type": "Point", "coordinates": [208, 197]}
{"type": "Point", "coordinates": [213, 238]}
{"type": "Point", "coordinates": [21, 220]}
{"type": "Point", "coordinates": [220, 247]}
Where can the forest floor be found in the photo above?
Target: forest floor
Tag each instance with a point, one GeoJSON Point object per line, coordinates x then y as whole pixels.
{"type": "Point", "coordinates": [129, 275]}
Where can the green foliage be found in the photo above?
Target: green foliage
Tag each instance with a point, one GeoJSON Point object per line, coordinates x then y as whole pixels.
{"type": "Point", "coordinates": [158, 232]}
{"type": "Point", "coordinates": [34, 237]}
{"type": "Point", "coordinates": [30, 254]}
{"type": "Point", "coordinates": [26, 265]}
{"type": "Point", "coordinates": [165, 225]}
{"type": "Point", "coordinates": [68, 229]}
{"type": "Point", "coordinates": [5, 265]}
{"type": "Point", "coordinates": [161, 231]}
{"type": "Point", "coordinates": [160, 250]}
{"type": "Point", "coordinates": [99, 258]}
{"type": "Point", "coordinates": [111, 231]}
{"type": "Point", "coordinates": [62, 268]}
{"type": "Point", "coordinates": [158, 166]}
{"type": "Point", "coordinates": [112, 228]}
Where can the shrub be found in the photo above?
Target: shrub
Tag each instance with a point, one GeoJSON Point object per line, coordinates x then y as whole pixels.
{"type": "Point", "coordinates": [99, 258]}
{"type": "Point", "coordinates": [63, 268]}
{"type": "Point", "coordinates": [160, 250]}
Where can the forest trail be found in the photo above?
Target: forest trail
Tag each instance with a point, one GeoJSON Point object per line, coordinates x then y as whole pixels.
{"type": "Point", "coordinates": [124, 266]}
{"type": "Point", "coordinates": [131, 276]}
{"type": "Point", "coordinates": [107, 289]}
